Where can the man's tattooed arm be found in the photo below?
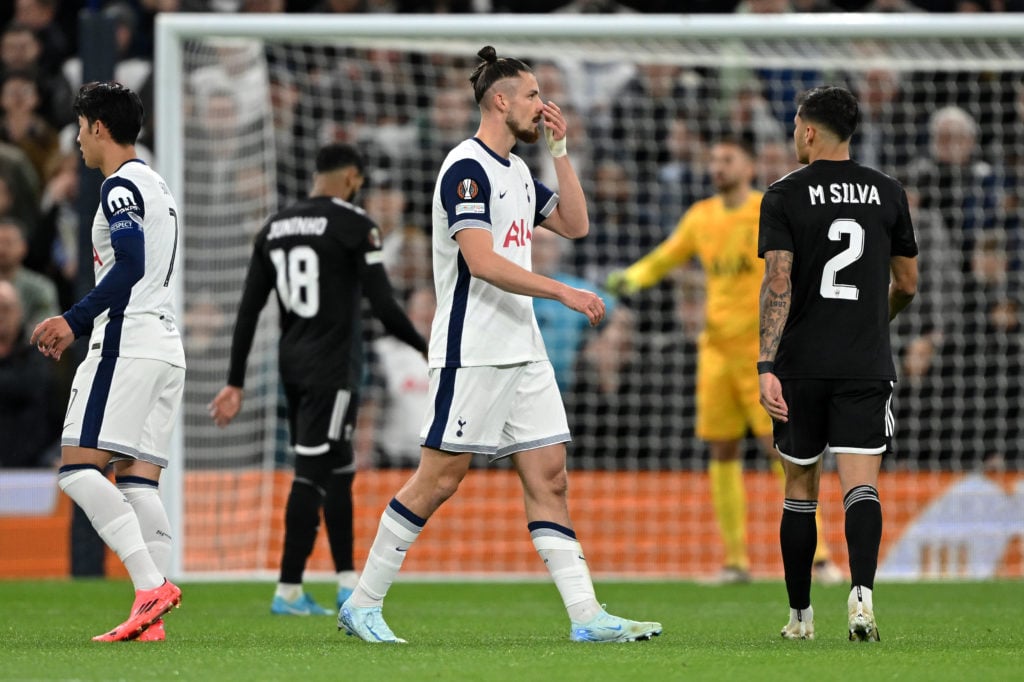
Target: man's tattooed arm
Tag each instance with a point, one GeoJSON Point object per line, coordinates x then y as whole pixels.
{"type": "Point", "coordinates": [776, 293]}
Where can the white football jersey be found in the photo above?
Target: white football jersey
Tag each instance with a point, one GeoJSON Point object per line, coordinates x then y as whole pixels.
{"type": "Point", "coordinates": [477, 323]}
{"type": "Point", "coordinates": [139, 322]}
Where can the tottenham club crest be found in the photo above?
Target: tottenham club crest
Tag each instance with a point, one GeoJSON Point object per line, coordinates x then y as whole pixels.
{"type": "Point", "coordinates": [468, 189]}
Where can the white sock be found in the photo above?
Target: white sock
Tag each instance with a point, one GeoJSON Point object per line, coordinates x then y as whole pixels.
{"type": "Point", "coordinates": [348, 579]}
{"type": "Point", "coordinates": [144, 497]}
{"type": "Point", "coordinates": [288, 591]}
{"type": "Point", "coordinates": [563, 556]}
{"type": "Point", "coordinates": [801, 615]}
{"type": "Point", "coordinates": [862, 594]}
{"type": "Point", "coordinates": [398, 529]}
{"type": "Point", "coordinates": [115, 521]}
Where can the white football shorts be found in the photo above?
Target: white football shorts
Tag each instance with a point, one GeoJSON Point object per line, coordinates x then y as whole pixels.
{"type": "Point", "coordinates": [127, 406]}
{"type": "Point", "coordinates": [496, 411]}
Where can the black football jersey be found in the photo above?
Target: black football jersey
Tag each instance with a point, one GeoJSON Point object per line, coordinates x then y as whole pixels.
{"type": "Point", "coordinates": [842, 222]}
{"type": "Point", "coordinates": [315, 254]}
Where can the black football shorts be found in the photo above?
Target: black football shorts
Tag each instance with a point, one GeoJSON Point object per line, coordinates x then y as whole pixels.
{"type": "Point", "coordinates": [319, 416]}
{"type": "Point", "coordinates": [844, 416]}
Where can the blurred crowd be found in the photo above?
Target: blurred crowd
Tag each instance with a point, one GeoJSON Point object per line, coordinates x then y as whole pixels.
{"type": "Point", "coordinates": [638, 135]}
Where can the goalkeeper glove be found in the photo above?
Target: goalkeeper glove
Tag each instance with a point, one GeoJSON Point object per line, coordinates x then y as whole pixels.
{"type": "Point", "coordinates": [619, 285]}
{"type": "Point", "coordinates": [557, 147]}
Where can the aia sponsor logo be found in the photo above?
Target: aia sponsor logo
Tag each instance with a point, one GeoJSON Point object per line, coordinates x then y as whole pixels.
{"type": "Point", "coordinates": [518, 234]}
{"type": "Point", "coordinates": [96, 257]}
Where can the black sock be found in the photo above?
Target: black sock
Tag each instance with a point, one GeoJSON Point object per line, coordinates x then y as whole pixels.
{"type": "Point", "coordinates": [301, 523]}
{"type": "Point", "coordinates": [863, 533]}
{"type": "Point", "coordinates": [338, 519]}
{"type": "Point", "coordinates": [798, 535]}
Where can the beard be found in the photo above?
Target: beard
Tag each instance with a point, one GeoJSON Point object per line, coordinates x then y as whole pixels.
{"type": "Point", "coordinates": [528, 135]}
{"type": "Point", "coordinates": [724, 184]}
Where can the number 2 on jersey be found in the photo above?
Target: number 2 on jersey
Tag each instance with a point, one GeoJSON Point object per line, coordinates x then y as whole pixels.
{"type": "Point", "coordinates": [298, 279]}
{"type": "Point", "coordinates": [851, 254]}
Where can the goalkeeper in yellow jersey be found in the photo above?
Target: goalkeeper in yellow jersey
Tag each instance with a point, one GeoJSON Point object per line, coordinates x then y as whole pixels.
{"type": "Point", "coordinates": [721, 232]}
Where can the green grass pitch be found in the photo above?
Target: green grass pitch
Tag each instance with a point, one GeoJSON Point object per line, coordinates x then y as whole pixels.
{"type": "Point", "coordinates": [516, 631]}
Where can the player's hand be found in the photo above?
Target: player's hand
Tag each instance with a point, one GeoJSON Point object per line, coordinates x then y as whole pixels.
{"type": "Point", "coordinates": [619, 285]}
{"type": "Point", "coordinates": [52, 336]}
{"type": "Point", "coordinates": [555, 129]}
{"type": "Point", "coordinates": [586, 302]}
{"type": "Point", "coordinates": [771, 397]}
{"type": "Point", "coordinates": [226, 405]}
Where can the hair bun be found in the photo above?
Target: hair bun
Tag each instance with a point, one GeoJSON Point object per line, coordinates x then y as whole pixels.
{"type": "Point", "coordinates": [488, 54]}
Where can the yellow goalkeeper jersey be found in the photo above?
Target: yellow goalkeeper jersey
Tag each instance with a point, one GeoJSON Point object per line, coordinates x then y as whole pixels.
{"type": "Point", "coordinates": [725, 242]}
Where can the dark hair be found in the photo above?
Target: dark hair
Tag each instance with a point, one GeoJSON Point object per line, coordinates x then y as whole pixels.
{"type": "Point", "coordinates": [11, 221]}
{"type": "Point", "coordinates": [338, 155]}
{"type": "Point", "coordinates": [115, 106]}
{"type": "Point", "coordinates": [741, 142]}
{"type": "Point", "coordinates": [830, 106]}
{"type": "Point", "coordinates": [17, 27]}
{"type": "Point", "coordinates": [493, 69]}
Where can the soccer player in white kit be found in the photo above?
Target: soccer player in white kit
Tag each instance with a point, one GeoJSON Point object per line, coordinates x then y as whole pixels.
{"type": "Point", "coordinates": [126, 393]}
{"type": "Point", "coordinates": [492, 388]}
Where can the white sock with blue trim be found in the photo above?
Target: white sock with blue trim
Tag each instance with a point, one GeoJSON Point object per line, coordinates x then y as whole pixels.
{"type": "Point", "coordinates": [114, 519]}
{"type": "Point", "coordinates": [562, 554]}
{"type": "Point", "coordinates": [398, 529]}
{"type": "Point", "coordinates": [144, 496]}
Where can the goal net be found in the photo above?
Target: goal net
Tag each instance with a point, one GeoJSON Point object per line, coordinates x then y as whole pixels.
{"type": "Point", "coordinates": [244, 103]}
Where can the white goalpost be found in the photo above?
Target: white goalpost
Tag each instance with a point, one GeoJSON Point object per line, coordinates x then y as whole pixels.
{"type": "Point", "coordinates": [243, 102]}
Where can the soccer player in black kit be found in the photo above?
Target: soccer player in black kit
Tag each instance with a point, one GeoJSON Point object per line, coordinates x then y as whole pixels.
{"type": "Point", "coordinates": [321, 255]}
{"type": "Point", "coordinates": [840, 263]}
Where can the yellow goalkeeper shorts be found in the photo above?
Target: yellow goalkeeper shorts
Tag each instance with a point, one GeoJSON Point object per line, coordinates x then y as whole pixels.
{"type": "Point", "coordinates": [728, 395]}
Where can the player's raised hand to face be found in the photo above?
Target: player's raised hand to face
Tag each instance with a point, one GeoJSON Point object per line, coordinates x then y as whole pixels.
{"type": "Point", "coordinates": [225, 405]}
{"type": "Point", "coordinates": [771, 397]}
{"type": "Point", "coordinates": [52, 336]}
{"type": "Point", "coordinates": [555, 129]}
{"type": "Point", "coordinates": [586, 302]}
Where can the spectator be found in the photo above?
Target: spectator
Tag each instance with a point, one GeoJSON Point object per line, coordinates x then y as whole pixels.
{"type": "Point", "coordinates": [285, 97]}
{"type": "Point", "coordinates": [928, 340]}
{"type": "Point", "coordinates": [781, 85]}
{"type": "Point", "coordinates": [624, 230]}
{"type": "Point", "coordinates": [641, 115]}
{"type": "Point", "coordinates": [396, 398]}
{"type": "Point", "coordinates": [29, 412]}
{"type": "Point", "coordinates": [602, 404]}
{"type": "Point", "coordinates": [407, 257]}
{"type": "Point", "coordinates": [386, 202]}
{"type": "Point", "coordinates": [21, 51]}
{"type": "Point", "coordinates": [236, 66]}
{"type": "Point", "coordinates": [130, 70]}
{"type": "Point", "coordinates": [22, 126]}
{"type": "Point", "coordinates": [886, 137]}
{"type": "Point", "coordinates": [751, 117]}
{"type": "Point", "coordinates": [340, 7]}
{"type": "Point", "coordinates": [891, 7]}
{"type": "Point", "coordinates": [6, 197]}
{"type": "Point", "coordinates": [37, 293]}
{"type": "Point", "coordinates": [954, 180]}
{"type": "Point", "coordinates": [263, 6]}
{"type": "Point", "coordinates": [683, 179]}
{"type": "Point", "coordinates": [991, 352]}
{"type": "Point", "coordinates": [775, 159]}
{"type": "Point", "coordinates": [448, 121]}
{"type": "Point", "coordinates": [20, 177]}
{"type": "Point", "coordinates": [40, 16]}
{"type": "Point", "coordinates": [1009, 146]}
{"type": "Point", "coordinates": [564, 331]}
{"type": "Point", "coordinates": [53, 246]}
